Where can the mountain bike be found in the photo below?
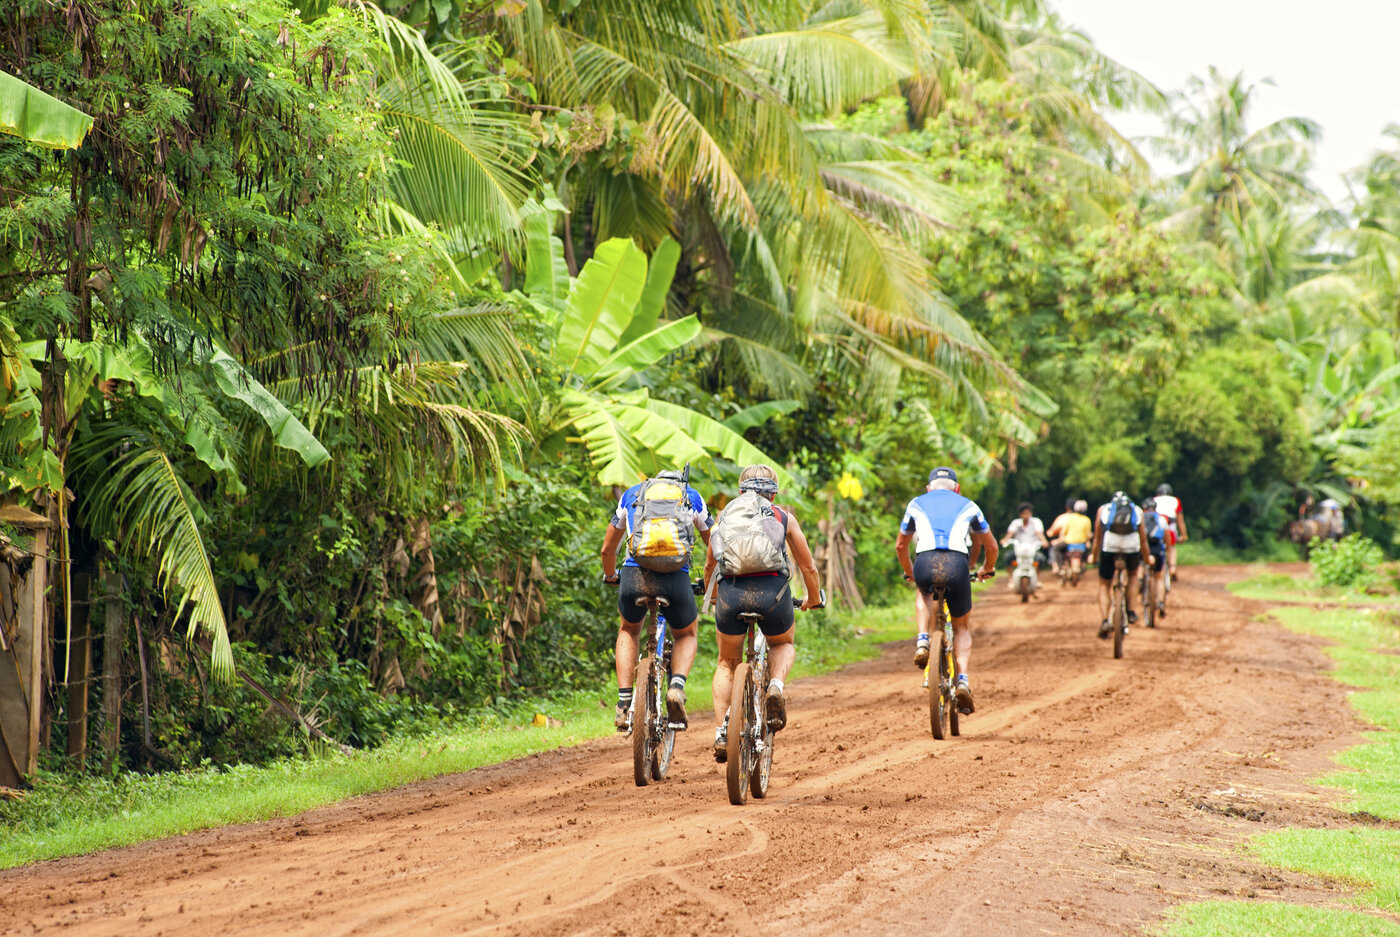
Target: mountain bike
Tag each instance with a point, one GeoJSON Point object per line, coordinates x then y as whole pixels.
{"type": "Point", "coordinates": [749, 760]}
{"type": "Point", "coordinates": [942, 713]}
{"type": "Point", "coordinates": [653, 733]}
{"type": "Point", "coordinates": [1149, 606]}
{"type": "Point", "coordinates": [1118, 609]}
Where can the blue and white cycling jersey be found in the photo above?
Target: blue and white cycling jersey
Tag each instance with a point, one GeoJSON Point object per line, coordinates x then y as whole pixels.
{"type": "Point", "coordinates": [942, 520]}
{"type": "Point", "coordinates": [627, 505]}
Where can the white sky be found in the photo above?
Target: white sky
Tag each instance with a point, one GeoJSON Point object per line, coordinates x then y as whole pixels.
{"type": "Point", "coordinates": [1332, 61]}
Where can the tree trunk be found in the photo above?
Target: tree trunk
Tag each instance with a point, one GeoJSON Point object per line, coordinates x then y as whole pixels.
{"type": "Point", "coordinates": [79, 667]}
{"type": "Point", "coordinates": [111, 665]}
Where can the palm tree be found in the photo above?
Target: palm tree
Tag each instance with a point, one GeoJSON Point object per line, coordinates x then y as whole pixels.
{"type": "Point", "coordinates": [1231, 168]}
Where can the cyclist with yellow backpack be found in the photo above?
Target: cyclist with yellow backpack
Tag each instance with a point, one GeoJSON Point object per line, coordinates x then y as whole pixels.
{"type": "Point", "coordinates": [659, 517]}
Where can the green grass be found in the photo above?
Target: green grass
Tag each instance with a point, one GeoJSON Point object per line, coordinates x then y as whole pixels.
{"type": "Point", "coordinates": [64, 816]}
{"type": "Point", "coordinates": [1271, 919]}
{"type": "Point", "coordinates": [1365, 642]}
{"type": "Point", "coordinates": [1281, 587]}
{"type": "Point", "coordinates": [1205, 552]}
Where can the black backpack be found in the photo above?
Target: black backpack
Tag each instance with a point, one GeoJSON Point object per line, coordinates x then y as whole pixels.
{"type": "Point", "coordinates": [1120, 518]}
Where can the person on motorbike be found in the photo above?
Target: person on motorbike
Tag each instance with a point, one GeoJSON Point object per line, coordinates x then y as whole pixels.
{"type": "Point", "coordinates": [768, 594]}
{"type": "Point", "coordinates": [944, 527]}
{"type": "Point", "coordinates": [1156, 524]}
{"type": "Point", "coordinates": [1118, 531]}
{"type": "Point", "coordinates": [634, 581]}
{"type": "Point", "coordinates": [1072, 531]}
{"type": "Point", "coordinates": [1028, 534]}
{"type": "Point", "coordinates": [1169, 506]}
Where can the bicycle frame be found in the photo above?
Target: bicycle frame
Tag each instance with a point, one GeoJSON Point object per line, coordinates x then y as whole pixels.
{"type": "Point", "coordinates": [940, 692]}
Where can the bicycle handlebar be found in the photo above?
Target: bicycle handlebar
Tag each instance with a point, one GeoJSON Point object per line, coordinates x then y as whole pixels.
{"type": "Point", "coordinates": [821, 593]}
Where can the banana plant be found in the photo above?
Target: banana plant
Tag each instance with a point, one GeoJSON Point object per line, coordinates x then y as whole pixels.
{"type": "Point", "coordinates": [40, 118]}
{"type": "Point", "coordinates": [610, 331]}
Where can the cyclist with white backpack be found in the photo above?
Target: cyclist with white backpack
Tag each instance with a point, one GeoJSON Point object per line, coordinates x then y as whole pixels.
{"type": "Point", "coordinates": [659, 518]}
{"type": "Point", "coordinates": [748, 572]}
{"type": "Point", "coordinates": [1118, 531]}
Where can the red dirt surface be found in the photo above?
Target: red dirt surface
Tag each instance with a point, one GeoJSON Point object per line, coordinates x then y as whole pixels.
{"type": "Point", "coordinates": [1086, 796]}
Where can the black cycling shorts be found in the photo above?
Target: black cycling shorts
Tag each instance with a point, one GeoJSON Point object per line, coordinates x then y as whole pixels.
{"type": "Point", "coordinates": [769, 596]}
{"type": "Point", "coordinates": [1158, 549]}
{"type": "Point", "coordinates": [1106, 562]}
{"type": "Point", "coordinates": [673, 587]}
{"type": "Point", "coordinates": [945, 571]}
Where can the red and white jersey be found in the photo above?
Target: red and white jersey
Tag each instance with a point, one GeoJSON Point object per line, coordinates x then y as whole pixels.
{"type": "Point", "coordinates": [1169, 505]}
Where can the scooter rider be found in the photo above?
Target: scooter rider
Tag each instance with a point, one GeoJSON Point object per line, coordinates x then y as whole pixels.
{"type": "Point", "coordinates": [1028, 534]}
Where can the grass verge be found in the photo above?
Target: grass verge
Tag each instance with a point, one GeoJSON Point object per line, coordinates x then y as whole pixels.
{"type": "Point", "coordinates": [1366, 648]}
{"type": "Point", "coordinates": [1285, 589]}
{"type": "Point", "coordinates": [65, 816]}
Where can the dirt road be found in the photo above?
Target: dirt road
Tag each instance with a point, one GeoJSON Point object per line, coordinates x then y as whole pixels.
{"type": "Point", "coordinates": [1086, 796]}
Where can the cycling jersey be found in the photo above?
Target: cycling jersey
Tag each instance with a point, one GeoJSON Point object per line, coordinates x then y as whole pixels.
{"type": "Point", "coordinates": [627, 505]}
{"type": "Point", "coordinates": [942, 520]}
{"type": "Point", "coordinates": [1169, 506]}
{"type": "Point", "coordinates": [1073, 527]}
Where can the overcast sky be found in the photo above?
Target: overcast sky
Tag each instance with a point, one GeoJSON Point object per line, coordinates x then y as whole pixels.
{"type": "Point", "coordinates": [1333, 61]}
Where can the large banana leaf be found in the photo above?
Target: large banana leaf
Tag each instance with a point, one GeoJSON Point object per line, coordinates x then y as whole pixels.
{"type": "Point", "coordinates": [650, 348]}
{"type": "Point", "coordinates": [713, 436]}
{"type": "Point", "coordinates": [287, 430]}
{"type": "Point", "coordinates": [40, 118]}
{"type": "Point", "coordinates": [546, 274]}
{"type": "Point", "coordinates": [601, 306]}
{"type": "Point", "coordinates": [749, 417]}
{"type": "Point", "coordinates": [660, 272]}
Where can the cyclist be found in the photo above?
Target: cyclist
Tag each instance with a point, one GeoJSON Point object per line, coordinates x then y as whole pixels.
{"type": "Point", "coordinates": [944, 526]}
{"type": "Point", "coordinates": [635, 581]}
{"type": "Point", "coordinates": [1025, 528]}
{"type": "Point", "coordinates": [768, 594]}
{"type": "Point", "coordinates": [1156, 525]}
{"type": "Point", "coordinates": [1169, 506]}
{"type": "Point", "coordinates": [1072, 531]}
{"type": "Point", "coordinates": [1118, 531]}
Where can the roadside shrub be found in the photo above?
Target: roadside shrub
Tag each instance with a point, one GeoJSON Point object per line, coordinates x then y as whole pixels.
{"type": "Point", "coordinates": [1352, 562]}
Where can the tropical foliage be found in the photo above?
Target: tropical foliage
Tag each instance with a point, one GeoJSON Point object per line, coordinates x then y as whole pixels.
{"type": "Point", "coordinates": [330, 331]}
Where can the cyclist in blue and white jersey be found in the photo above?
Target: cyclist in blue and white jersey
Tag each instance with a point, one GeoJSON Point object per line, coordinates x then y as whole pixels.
{"type": "Point", "coordinates": [943, 527]}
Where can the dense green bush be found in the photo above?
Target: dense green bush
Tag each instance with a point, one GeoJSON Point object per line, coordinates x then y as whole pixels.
{"type": "Point", "coordinates": [1352, 562]}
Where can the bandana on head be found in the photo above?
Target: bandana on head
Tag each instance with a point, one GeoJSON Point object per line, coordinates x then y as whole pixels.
{"type": "Point", "coordinates": [764, 486]}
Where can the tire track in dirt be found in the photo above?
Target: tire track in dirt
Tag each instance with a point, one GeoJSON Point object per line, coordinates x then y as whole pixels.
{"type": "Point", "coordinates": [1083, 798]}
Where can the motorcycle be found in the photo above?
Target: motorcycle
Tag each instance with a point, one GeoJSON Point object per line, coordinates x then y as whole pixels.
{"type": "Point", "coordinates": [1024, 578]}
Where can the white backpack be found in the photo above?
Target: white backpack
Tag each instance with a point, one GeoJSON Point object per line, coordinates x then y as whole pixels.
{"type": "Point", "coordinates": [749, 538]}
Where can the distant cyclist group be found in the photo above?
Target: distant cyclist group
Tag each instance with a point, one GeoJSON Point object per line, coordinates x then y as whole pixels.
{"type": "Point", "coordinates": [943, 537]}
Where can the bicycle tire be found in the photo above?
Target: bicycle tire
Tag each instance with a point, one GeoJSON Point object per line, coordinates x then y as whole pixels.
{"type": "Point", "coordinates": [739, 763]}
{"type": "Point", "coordinates": [940, 702]}
{"type": "Point", "coordinates": [763, 761]}
{"type": "Point", "coordinates": [1120, 619]}
{"type": "Point", "coordinates": [1149, 607]}
{"type": "Point", "coordinates": [1024, 588]}
{"type": "Point", "coordinates": [664, 747]}
{"type": "Point", "coordinates": [643, 702]}
{"type": "Point", "coordinates": [949, 667]}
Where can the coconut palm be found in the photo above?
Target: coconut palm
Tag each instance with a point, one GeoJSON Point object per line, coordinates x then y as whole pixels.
{"type": "Point", "coordinates": [1231, 168]}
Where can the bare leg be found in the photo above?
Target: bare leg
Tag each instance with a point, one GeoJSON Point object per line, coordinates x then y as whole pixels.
{"type": "Point", "coordinates": [962, 641]}
{"type": "Point", "coordinates": [923, 612]}
{"type": "Point", "coordinates": [1132, 590]}
{"type": "Point", "coordinates": [683, 649]}
{"type": "Point", "coordinates": [626, 661]}
{"type": "Point", "coordinates": [731, 650]}
{"type": "Point", "coordinates": [1105, 593]}
{"type": "Point", "coordinates": [782, 654]}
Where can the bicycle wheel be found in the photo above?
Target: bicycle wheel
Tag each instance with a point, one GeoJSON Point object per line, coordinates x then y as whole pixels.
{"type": "Point", "coordinates": [763, 760]}
{"type": "Point", "coordinates": [1024, 587]}
{"type": "Point", "coordinates": [940, 704]}
{"type": "Point", "coordinates": [1149, 607]}
{"type": "Point", "coordinates": [949, 669]}
{"type": "Point", "coordinates": [663, 747]}
{"type": "Point", "coordinates": [1120, 618]}
{"type": "Point", "coordinates": [743, 723]}
{"type": "Point", "coordinates": [643, 715]}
